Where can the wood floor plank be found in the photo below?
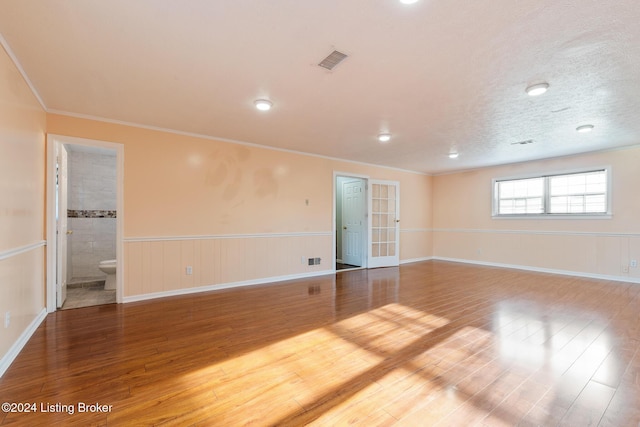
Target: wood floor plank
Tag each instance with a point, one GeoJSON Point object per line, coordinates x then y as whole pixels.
{"type": "Point", "coordinates": [428, 343]}
{"type": "Point", "coordinates": [590, 405]}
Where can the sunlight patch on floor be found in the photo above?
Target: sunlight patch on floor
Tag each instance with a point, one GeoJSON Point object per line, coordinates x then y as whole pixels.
{"type": "Point", "coordinates": [313, 367]}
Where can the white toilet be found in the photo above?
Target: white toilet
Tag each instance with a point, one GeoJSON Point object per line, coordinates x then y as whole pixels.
{"type": "Point", "coordinates": [109, 268]}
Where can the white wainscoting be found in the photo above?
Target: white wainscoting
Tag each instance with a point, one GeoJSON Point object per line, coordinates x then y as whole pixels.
{"type": "Point", "coordinates": [157, 266]}
{"type": "Point", "coordinates": [21, 295]}
{"type": "Point", "coordinates": [603, 255]}
{"type": "Point", "coordinates": [416, 244]}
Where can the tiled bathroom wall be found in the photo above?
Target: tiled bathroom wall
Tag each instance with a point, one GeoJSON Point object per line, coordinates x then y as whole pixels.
{"type": "Point", "coordinates": [91, 211]}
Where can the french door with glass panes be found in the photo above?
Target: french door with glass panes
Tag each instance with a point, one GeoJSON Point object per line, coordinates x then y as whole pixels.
{"type": "Point", "coordinates": [384, 214]}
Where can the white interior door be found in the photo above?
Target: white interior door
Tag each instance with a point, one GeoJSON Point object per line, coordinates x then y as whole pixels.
{"type": "Point", "coordinates": [353, 226]}
{"type": "Point", "coordinates": [384, 208]}
{"type": "Point", "coordinates": [61, 222]}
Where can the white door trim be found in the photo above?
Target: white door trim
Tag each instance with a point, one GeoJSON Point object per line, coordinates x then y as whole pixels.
{"type": "Point", "coordinates": [52, 140]}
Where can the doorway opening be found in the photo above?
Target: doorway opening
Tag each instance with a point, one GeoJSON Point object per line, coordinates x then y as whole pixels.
{"type": "Point", "coordinates": [366, 222]}
{"type": "Point", "coordinates": [351, 222]}
{"type": "Point", "coordinates": [84, 225]}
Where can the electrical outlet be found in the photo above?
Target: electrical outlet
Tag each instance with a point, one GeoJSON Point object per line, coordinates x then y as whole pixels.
{"type": "Point", "coordinates": [316, 261]}
{"type": "Point", "coordinates": [189, 270]}
{"type": "Point", "coordinates": [7, 319]}
{"type": "Point", "coordinates": [311, 261]}
{"type": "Point", "coordinates": [634, 263]}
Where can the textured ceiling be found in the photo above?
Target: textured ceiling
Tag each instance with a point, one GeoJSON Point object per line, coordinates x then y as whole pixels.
{"type": "Point", "coordinates": [440, 76]}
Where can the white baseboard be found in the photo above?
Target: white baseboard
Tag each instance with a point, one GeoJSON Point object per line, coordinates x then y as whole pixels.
{"type": "Point", "coordinates": [543, 270]}
{"type": "Point", "coordinates": [409, 261]}
{"type": "Point", "coordinates": [207, 288]}
{"type": "Point", "coordinates": [17, 346]}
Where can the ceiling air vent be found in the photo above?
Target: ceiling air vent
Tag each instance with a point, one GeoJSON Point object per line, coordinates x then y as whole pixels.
{"type": "Point", "coordinates": [528, 141]}
{"type": "Point", "coordinates": [332, 60]}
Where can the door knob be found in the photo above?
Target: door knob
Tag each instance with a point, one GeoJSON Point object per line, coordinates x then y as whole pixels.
{"type": "Point", "coordinates": [345, 227]}
{"type": "Point", "coordinates": [69, 231]}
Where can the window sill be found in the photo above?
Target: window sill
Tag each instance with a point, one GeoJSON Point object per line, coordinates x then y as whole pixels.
{"type": "Point", "coordinates": [555, 216]}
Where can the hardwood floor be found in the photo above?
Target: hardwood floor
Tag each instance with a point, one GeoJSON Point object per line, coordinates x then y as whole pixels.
{"type": "Point", "coordinates": [430, 343]}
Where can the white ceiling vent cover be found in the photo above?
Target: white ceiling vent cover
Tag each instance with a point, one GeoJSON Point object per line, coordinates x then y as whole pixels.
{"type": "Point", "coordinates": [332, 60]}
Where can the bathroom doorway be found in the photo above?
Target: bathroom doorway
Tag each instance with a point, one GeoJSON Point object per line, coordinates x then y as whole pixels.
{"type": "Point", "coordinates": [84, 205]}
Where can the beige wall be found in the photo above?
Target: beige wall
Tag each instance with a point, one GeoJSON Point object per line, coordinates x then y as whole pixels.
{"type": "Point", "coordinates": [22, 167]}
{"type": "Point", "coordinates": [464, 229]}
{"type": "Point", "coordinates": [235, 213]}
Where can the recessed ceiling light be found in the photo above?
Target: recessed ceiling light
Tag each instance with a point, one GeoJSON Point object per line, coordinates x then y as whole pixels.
{"type": "Point", "coordinates": [537, 89]}
{"type": "Point", "coordinates": [453, 155]}
{"type": "Point", "coordinates": [384, 137]}
{"type": "Point", "coordinates": [585, 128]}
{"type": "Point", "coordinates": [263, 104]}
{"type": "Point", "coordinates": [408, 1]}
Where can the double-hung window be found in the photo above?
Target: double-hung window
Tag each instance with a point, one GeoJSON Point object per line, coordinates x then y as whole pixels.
{"type": "Point", "coordinates": [584, 193]}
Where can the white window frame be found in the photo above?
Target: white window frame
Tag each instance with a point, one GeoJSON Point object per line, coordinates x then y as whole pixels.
{"type": "Point", "coordinates": [546, 196]}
